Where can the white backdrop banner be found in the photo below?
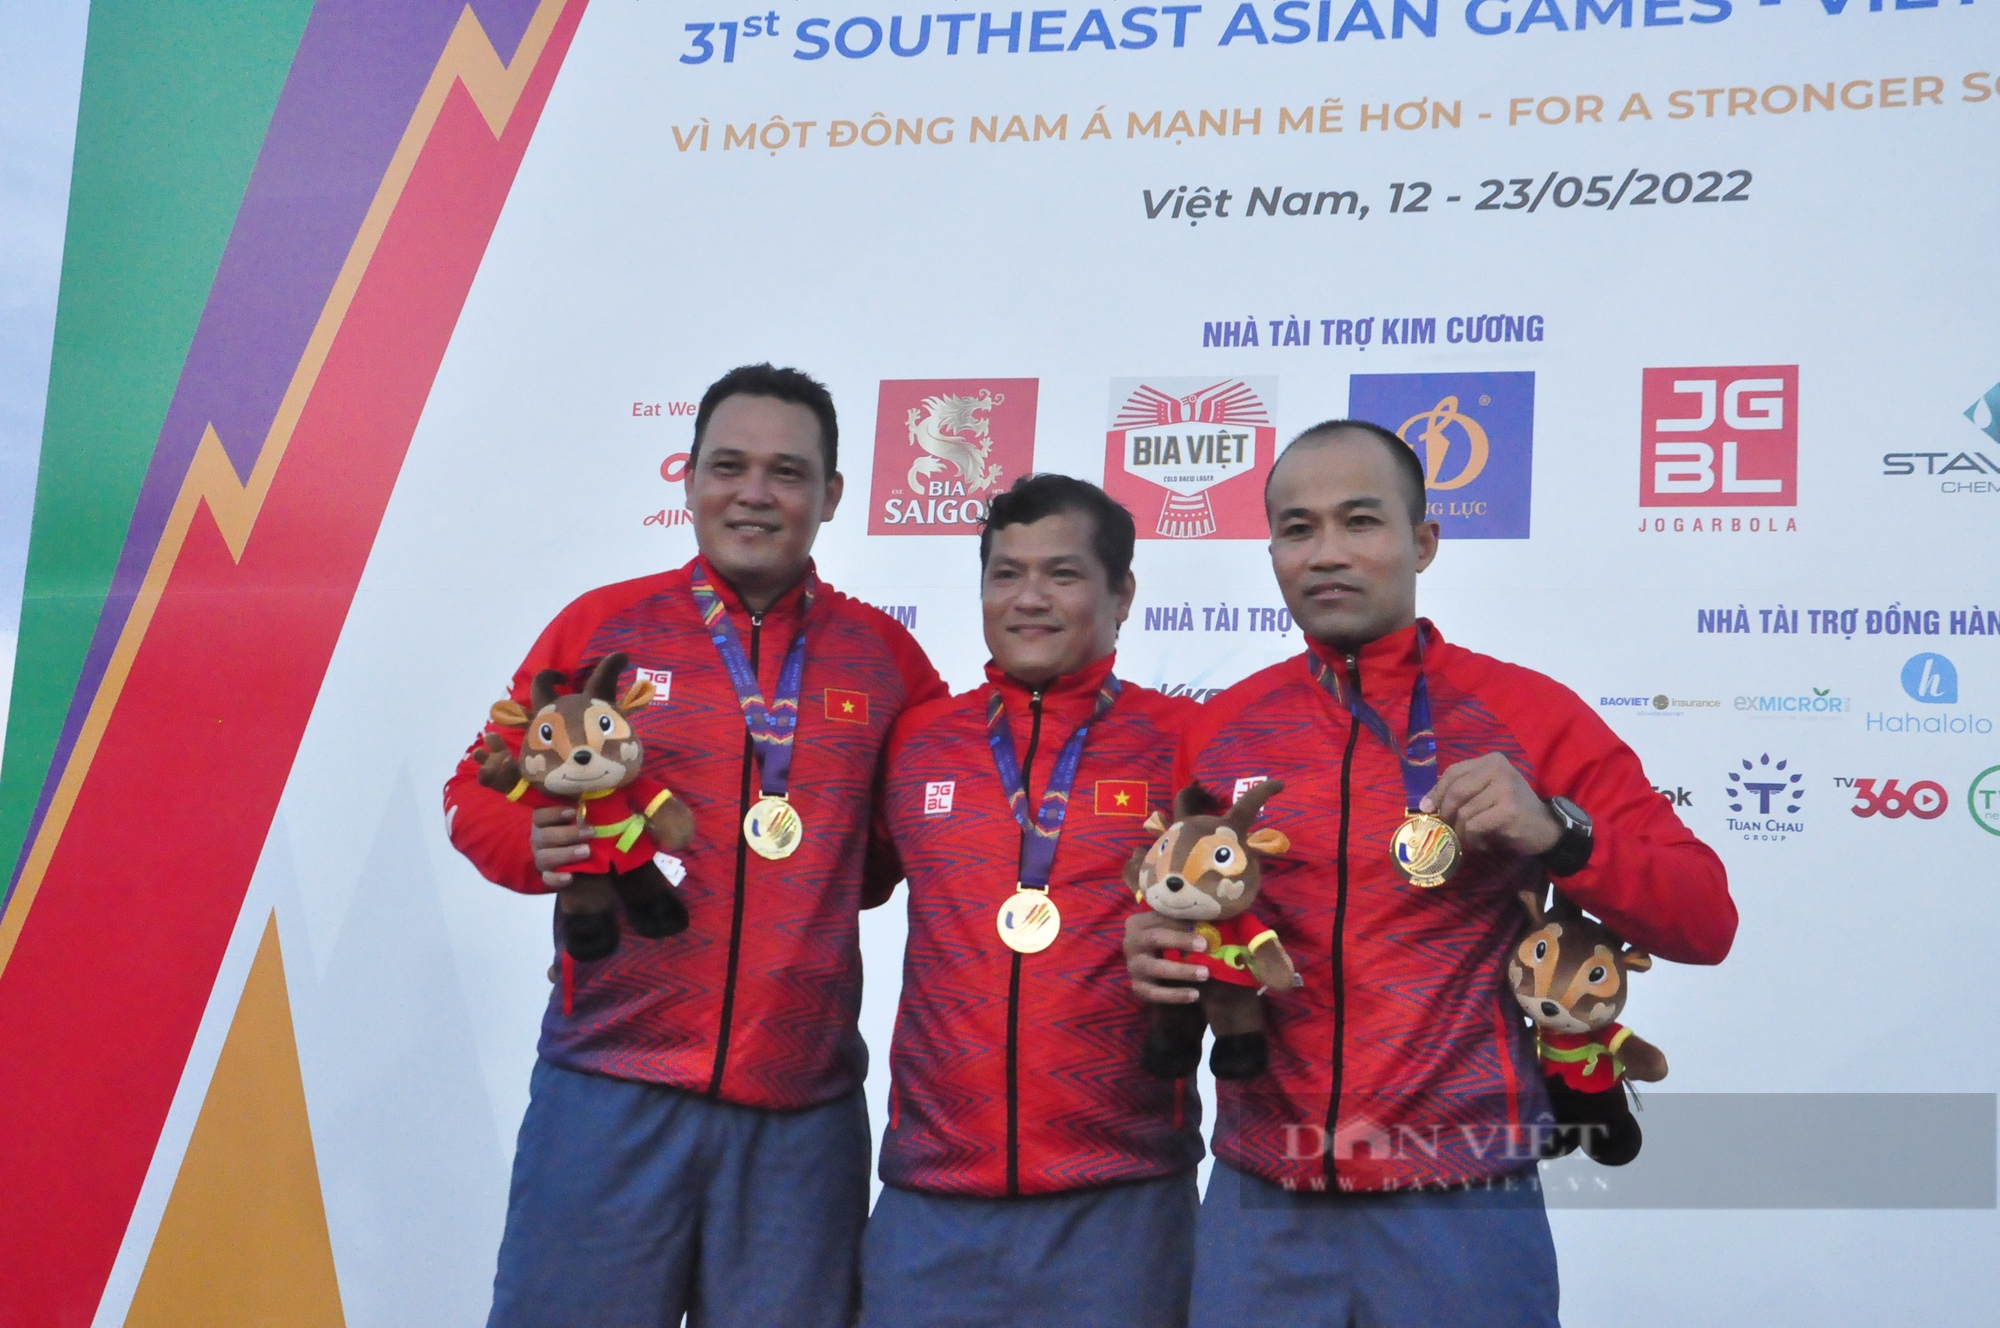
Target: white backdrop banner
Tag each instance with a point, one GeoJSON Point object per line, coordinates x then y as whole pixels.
{"type": "Point", "coordinates": [1686, 305]}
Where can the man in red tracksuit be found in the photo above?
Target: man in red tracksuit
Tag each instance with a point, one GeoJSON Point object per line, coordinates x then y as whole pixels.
{"type": "Point", "coordinates": [696, 1138]}
{"type": "Point", "coordinates": [1383, 1170]}
{"type": "Point", "coordinates": [1035, 1174]}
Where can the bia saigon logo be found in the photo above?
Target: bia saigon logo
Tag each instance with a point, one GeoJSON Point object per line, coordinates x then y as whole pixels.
{"type": "Point", "coordinates": [944, 447]}
{"type": "Point", "coordinates": [1475, 434]}
{"type": "Point", "coordinates": [1720, 437]}
{"type": "Point", "coordinates": [1188, 456]}
{"type": "Point", "coordinates": [1769, 793]}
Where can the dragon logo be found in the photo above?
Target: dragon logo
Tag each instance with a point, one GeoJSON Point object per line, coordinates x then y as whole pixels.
{"type": "Point", "coordinates": [951, 431]}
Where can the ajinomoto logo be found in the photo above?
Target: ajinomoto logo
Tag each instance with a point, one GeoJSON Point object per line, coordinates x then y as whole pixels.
{"type": "Point", "coordinates": [944, 447]}
{"type": "Point", "coordinates": [1188, 456]}
{"type": "Point", "coordinates": [1475, 434]}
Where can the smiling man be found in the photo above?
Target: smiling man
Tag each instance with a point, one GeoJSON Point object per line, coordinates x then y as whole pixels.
{"type": "Point", "coordinates": [1383, 1170]}
{"type": "Point", "coordinates": [696, 1138]}
{"type": "Point", "coordinates": [1033, 1173]}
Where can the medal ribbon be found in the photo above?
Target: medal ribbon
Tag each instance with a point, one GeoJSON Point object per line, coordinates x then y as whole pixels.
{"type": "Point", "coordinates": [1038, 842]}
{"type": "Point", "coordinates": [1418, 754]}
{"type": "Point", "coordinates": [771, 726]}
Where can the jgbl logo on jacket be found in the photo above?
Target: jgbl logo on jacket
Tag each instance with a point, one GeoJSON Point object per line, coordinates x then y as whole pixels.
{"type": "Point", "coordinates": [1475, 434]}
{"type": "Point", "coordinates": [1720, 437]}
{"type": "Point", "coordinates": [944, 447]}
{"type": "Point", "coordinates": [1188, 456]}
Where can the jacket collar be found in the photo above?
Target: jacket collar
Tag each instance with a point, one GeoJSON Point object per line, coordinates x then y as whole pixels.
{"type": "Point", "coordinates": [1066, 702]}
{"type": "Point", "coordinates": [1389, 663]}
{"type": "Point", "coordinates": [785, 606]}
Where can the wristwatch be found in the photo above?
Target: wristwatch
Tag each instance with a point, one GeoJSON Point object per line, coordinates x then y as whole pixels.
{"type": "Point", "coordinates": [1571, 853]}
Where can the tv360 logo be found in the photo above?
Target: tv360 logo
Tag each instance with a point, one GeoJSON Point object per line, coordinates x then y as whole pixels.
{"type": "Point", "coordinates": [1926, 799]}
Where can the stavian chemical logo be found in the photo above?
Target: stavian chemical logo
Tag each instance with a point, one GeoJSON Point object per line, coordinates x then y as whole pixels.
{"type": "Point", "coordinates": [1768, 797]}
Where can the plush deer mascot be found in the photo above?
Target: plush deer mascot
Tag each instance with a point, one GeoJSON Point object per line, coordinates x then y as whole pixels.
{"type": "Point", "coordinates": [1204, 870]}
{"type": "Point", "coordinates": [1569, 974]}
{"type": "Point", "coordinates": [579, 750]}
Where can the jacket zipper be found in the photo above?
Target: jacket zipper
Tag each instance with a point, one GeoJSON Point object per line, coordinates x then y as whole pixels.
{"type": "Point", "coordinates": [742, 866]}
{"type": "Point", "coordinates": [1340, 925]}
{"type": "Point", "coordinates": [1014, 977]}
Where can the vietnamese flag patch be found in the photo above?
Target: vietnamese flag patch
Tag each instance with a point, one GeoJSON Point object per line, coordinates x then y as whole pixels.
{"type": "Point", "coordinates": [1121, 797]}
{"type": "Point", "coordinates": [846, 707]}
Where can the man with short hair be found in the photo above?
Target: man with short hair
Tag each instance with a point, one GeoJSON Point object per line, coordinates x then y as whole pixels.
{"type": "Point", "coordinates": [1034, 1173]}
{"type": "Point", "coordinates": [1383, 1171]}
{"type": "Point", "coordinates": [696, 1138]}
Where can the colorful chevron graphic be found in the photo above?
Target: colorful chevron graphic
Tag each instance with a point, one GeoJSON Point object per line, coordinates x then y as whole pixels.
{"type": "Point", "coordinates": [381, 172]}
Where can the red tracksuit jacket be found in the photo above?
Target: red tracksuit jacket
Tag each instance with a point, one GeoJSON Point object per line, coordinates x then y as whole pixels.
{"type": "Point", "coordinates": [1019, 1074]}
{"type": "Point", "coordinates": [1404, 1060]}
{"type": "Point", "coordinates": [755, 1003]}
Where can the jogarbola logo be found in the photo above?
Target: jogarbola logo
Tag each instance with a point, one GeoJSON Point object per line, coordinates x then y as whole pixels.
{"type": "Point", "coordinates": [1188, 455]}
{"type": "Point", "coordinates": [1474, 433]}
{"type": "Point", "coordinates": [943, 447]}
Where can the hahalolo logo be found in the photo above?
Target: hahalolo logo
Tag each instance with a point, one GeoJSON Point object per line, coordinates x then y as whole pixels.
{"type": "Point", "coordinates": [1931, 679]}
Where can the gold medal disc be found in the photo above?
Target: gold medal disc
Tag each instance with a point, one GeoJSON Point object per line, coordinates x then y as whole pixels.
{"type": "Point", "coordinates": [1425, 850]}
{"type": "Point", "coordinates": [1028, 921]}
{"type": "Point", "coordinates": [772, 828]}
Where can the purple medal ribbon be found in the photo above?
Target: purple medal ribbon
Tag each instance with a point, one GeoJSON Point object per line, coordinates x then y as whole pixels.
{"type": "Point", "coordinates": [1418, 755]}
{"type": "Point", "coordinates": [1038, 837]}
{"type": "Point", "coordinates": [771, 726]}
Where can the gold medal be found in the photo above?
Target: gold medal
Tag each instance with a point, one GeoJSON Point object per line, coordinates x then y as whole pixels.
{"type": "Point", "coordinates": [773, 828]}
{"type": "Point", "coordinates": [1028, 921]}
{"type": "Point", "coordinates": [1425, 850]}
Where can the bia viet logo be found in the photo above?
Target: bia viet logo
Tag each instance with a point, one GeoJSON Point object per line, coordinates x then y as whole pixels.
{"type": "Point", "coordinates": [1720, 437]}
{"type": "Point", "coordinates": [944, 447]}
{"type": "Point", "coordinates": [1769, 792]}
{"type": "Point", "coordinates": [1931, 678]}
{"type": "Point", "coordinates": [1926, 799]}
{"type": "Point", "coordinates": [1474, 432]}
{"type": "Point", "coordinates": [1188, 456]}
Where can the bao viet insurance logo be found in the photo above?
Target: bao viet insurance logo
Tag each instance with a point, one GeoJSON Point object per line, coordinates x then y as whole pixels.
{"type": "Point", "coordinates": [1475, 434]}
{"type": "Point", "coordinates": [1720, 437]}
{"type": "Point", "coordinates": [944, 447]}
{"type": "Point", "coordinates": [1188, 456]}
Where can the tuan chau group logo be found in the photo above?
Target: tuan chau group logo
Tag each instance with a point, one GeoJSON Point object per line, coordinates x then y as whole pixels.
{"type": "Point", "coordinates": [1720, 437]}
{"type": "Point", "coordinates": [944, 447]}
{"type": "Point", "coordinates": [1474, 432]}
{"type": "Point", "coordinates": [1188, 456]}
